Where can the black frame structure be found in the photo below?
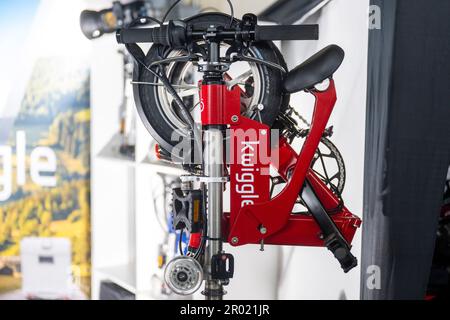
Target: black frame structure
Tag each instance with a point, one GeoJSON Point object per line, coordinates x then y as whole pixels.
{"type": "Point", "coordinates": [407, 145]}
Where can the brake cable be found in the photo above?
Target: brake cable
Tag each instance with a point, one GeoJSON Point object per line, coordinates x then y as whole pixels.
{"type": "Point", "coordinates": [178, 1]}
{"type": "Point", "coordinates": [180, 242]}
{"type": "Point", "coordinates": [173, 59]}
{"type": "Point", "coordinates": [263, 62]}
{"type": "Point", "coordinates": [205, 226]}
{"type": "Point", "coordinates": [165, 81]}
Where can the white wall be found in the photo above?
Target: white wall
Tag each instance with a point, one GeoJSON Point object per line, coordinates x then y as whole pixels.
{"type": "Point", "coordinates": [240, 7]}
{"type": "Point", "coordinates": [301, 273]}
{"type": "Point", "coordinates": [313, 273]}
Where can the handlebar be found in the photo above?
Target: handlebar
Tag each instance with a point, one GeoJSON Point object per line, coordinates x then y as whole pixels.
{"type": "Point", "coordinates": [176, 34]}
{"type": "Point", "coordinates": [290, 32]}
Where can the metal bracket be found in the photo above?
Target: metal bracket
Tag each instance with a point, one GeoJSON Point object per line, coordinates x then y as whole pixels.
{"type": "Point", "coordinates": [205, 179]}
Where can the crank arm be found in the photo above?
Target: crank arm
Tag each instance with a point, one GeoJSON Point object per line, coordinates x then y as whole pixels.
{"type": "Point", "coordinates": [331, 235]}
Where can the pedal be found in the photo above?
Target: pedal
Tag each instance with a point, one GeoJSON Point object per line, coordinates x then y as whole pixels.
{"type": "Point", "coordinates": [341, 252]}
{"type": "Point", "coordinates": [332, 236]}
{"type": "Point", "coordinates": [187, 210]}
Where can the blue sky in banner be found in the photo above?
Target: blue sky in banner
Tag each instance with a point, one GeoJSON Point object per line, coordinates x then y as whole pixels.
{"type": "Point", "coordinates": [16, 18]}
{"type": "Point", "coordinates": [29, 31]}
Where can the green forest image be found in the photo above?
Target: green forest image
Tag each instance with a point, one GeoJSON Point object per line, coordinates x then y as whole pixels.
{"type": "Point", "coordinates": [54, 113]}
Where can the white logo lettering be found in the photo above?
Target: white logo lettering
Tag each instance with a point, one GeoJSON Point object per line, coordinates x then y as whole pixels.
{"type": "Point", "coordinates": [42, 166]}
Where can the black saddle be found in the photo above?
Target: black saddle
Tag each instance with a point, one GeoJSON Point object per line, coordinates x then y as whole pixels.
{"type": "Point", "coordinates": [316, 69]}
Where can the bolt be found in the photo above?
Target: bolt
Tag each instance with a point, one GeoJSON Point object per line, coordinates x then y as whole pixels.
{"type": "Point", "coordinates": [234, 240]}
{"type": "Point", "coordinates": [263, 230]}
{"type": "Point", "coordinates": [234, 118]}
{"type": "Point", "coordinates": [263, 132]}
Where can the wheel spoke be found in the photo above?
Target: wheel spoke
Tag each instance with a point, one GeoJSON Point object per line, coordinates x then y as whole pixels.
{"type": "Point", "coordinates": [175, 86]}
{"type": "Point", "coordinates": [196, 105]}
{"type": "Point", "coordinates": [189, 92]}
{"type": "Point", "coordinates": [239, 79]}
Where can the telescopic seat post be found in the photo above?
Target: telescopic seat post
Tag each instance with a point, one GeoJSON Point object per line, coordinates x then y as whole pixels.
{"type": "Point", "coordinates": [213, 161]}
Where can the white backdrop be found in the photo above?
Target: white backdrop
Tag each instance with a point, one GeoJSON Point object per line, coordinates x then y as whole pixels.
{"type": "Point", "coordinates": [277, 273]}
{"type": "Point", "coordinates": [313, 273]}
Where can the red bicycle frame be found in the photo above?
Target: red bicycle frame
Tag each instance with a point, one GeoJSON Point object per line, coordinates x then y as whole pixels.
{"type": "Point", "coordinates": [254, 217]}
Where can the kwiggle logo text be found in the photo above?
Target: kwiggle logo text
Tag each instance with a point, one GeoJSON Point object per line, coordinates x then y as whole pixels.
{"type": "Point", "coordinates": [42, 166]}
{"type": "Point", "coordinates": [251, 150]}
{"type": "Point", "coordinates": [245, 178]}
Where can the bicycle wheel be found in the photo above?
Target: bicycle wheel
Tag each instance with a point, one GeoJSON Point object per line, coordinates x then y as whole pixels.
{"type": "Point", "coordinates": [259, 85]}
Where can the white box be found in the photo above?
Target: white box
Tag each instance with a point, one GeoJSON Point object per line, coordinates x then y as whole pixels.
{"type": "Point", "coordinates": [46, 267]}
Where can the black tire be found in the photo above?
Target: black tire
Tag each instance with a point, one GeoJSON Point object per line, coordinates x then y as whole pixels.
{"type": "Point", "coordinates": [147, 99]}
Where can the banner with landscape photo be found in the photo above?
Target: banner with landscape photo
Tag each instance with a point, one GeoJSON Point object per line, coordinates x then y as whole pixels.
{"type": "Point", "coordinates": [51, 131]}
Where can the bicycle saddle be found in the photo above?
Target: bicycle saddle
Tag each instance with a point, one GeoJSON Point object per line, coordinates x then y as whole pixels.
{"type": "Point", "coordinates": [317, 68]}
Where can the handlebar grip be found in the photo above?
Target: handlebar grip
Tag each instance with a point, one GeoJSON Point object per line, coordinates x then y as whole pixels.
{"type": "Point", "coordinates": [134, 35]}
{"type": "Point", "coordinates": [290, 32]}
{"type": "Point", "coordinates": [170, 35]}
